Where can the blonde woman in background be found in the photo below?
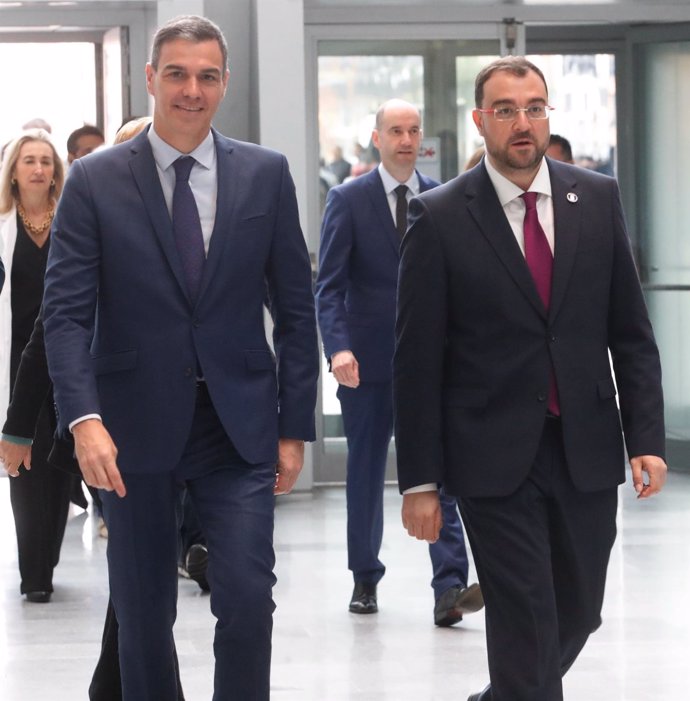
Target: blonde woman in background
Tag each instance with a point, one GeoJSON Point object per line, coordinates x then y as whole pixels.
{"type": "Point", "coordinates": [31, 181]}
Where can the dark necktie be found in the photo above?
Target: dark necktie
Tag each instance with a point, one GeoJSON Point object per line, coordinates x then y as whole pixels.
{"type": "Point", "coordinates": [540, 262]}
{"type": "Point", "coordinates": [189, 238]}
{"type": "Point", "coordinates": [401, 209]}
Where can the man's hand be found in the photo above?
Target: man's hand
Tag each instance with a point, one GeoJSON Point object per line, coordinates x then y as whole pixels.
{"type": "Point", "coordinates": [655, 468]}
{"type": "Point", "coordinates": [421, 515]}
{"type": "Point", "coordinates": [96, 454]}
{"type": "Point", "coordinates": [345, 368]}
{"type": "Point", "coordinates": [12, 455]}
{"type": "Point", "coordinates": [290, 461]}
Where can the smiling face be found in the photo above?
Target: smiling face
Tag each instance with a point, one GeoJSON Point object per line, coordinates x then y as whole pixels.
{"type": "Point", "coordinates": [34, 170]}
{"type": "Point", "coordinates": [515, 148]}
{"type": "Point", "coordinates": [188, 86]}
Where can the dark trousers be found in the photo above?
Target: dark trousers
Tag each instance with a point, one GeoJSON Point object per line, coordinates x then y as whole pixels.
{"type": "Point", "coordinates": [541, 554]}
{"type": "Point", "coordinates": [106, 684]}
{"type": "Point", "coordinates": [40, 500]}
{"type": "Point", "coordinates": [235, 505]}
{"type": "Point", "coordinates": [368, 421]}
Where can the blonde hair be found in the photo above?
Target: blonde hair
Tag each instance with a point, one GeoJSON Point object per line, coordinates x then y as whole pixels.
{"type": "Point", "coordinates": [474, 158]}
{"type": "Point", "coordinates": [130, 129]}
{"type": "Point", "coordinates": [8, 190]}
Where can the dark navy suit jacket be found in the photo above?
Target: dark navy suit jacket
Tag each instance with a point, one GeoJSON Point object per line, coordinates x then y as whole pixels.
{"type": "Point", "coordinates": [122, 336]}
{"type": "Point", "coordinates": [475, 343]}
{"type": "Point", "coordinates": [358, 274]}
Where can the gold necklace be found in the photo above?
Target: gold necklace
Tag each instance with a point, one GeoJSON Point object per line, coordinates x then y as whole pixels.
{"type": "Point", "coordinates": [30, 226]}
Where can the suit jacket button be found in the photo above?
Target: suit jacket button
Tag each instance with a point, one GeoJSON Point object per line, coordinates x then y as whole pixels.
{"type": "Point", "coordinates": [188, 372]}
{"type": "Point", "coordinates": [541, 397]}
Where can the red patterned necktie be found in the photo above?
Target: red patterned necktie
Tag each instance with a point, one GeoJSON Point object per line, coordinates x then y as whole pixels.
{"type": "Point", "coordinates": [540, 262]}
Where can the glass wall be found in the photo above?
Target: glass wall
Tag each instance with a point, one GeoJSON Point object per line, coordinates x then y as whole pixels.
{"type": "Point", "coordinates": [664, 213]}
{"type": "Point", "coordinates": [28, 75]}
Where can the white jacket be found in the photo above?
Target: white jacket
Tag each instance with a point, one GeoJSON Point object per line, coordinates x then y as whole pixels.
{"type": "Point", "coordinates": [8, 238]}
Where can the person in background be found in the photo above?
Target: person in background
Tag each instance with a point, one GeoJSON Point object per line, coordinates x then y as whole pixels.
{"type": "Point", "coordinates": [37, 123]}
{"type": "Point", "coordinates": [503, 385]}
{"type": "Point", "coordinates": [355, 298]}
{"type": "Point", "coordinates": [31, 181]}
{"type": "Point", "coordinates": [83, 141]}
{"type": "Point", "coordinates": [474, 159]}
{"type": "Point", "coordinates": [165, 249]}
{"type": "Point", "coordinates": [559, 148]}
{"type": "Point", "coordinates": [339, 166]}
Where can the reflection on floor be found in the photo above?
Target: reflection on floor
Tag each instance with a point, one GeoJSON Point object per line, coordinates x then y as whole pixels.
{"type": "Point", "coordinates": [323, 653]}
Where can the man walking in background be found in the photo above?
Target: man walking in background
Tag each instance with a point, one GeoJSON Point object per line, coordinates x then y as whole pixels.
{"type": "Point", "coordinates": [355, 294]}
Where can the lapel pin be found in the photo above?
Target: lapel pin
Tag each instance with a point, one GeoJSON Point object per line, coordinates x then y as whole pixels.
{"type": "Point", "coordinates": [571, 197]}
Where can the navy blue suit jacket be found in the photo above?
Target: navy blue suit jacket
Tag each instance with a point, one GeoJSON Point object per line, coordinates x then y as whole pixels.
{"type": "Point", "coordinates": [122, 336]}
{"type": "Point", "coordinates": [475, 343]}
{"type": "Point", "coordinates": [358, 274]}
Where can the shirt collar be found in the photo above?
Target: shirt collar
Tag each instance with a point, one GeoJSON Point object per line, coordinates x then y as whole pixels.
{"type": "Point", "coordinates": [390, 183]}
{"type": "Point", "coordinates": [508, 191]}
{"type": "Point", "coordinates": [164, 154]}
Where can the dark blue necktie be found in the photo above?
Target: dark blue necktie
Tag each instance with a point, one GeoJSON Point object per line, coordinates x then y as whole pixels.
{"type": "Point", "coordinates": [189, 238]}
{"type": "Point", "coordinates": [401, 209]}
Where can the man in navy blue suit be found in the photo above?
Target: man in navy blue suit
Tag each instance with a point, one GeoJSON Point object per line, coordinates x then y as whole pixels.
{"type": "Point", "coordinates": [154, 330]}
{"type": "Point", "coordinates": [355, 294]}
{"type": "Point", "coordinates": [516, 282]}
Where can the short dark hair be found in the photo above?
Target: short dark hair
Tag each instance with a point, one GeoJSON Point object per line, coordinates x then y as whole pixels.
{"type": "Point", "coordinates": [191, 28]}
{"type": "Point", "coordinates": [557, 140]}
{"type": "Point", "coordinates": [517, 65]}
{"type": "Point", "coordinates": [86, 130]}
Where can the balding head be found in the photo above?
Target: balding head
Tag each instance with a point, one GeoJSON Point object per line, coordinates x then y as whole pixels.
{"type": "Point", "coordinates": [397, 135]}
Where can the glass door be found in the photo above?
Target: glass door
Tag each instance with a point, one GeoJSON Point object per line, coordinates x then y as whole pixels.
{"type": "Point", "coordinates": [662, 99]}
{"type": "Point", "coordinates": [354, 78]}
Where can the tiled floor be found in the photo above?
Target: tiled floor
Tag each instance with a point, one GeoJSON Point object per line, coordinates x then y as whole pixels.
{"type": "Point", "coordinates": [323, 653]}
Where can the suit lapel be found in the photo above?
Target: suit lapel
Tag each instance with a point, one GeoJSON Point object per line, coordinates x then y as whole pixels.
{"type": "Point", "coordinates": [225, 205]}
{"type": "Point", "coordinates": [567, 216]}
{"type": "Point", "coordinates": [485, 208]}
{"type": "Point", "coordinates": [379, 201]}
{"type": "Point", "coordinates": [145, 173]}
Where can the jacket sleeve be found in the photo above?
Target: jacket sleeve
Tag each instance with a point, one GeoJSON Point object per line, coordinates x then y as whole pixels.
{"type": "Point", "coordinates": [69, 300]}
{"type": "Point", "coordinates": [332, 278]}
{"type": "Point", "coordinates": [634, 352]}
{"type": "Point", "coordinates": [31, 387]}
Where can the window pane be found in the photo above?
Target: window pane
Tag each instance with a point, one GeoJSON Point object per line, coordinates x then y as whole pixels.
{"type": "Point", "coordinates": [41, 79]}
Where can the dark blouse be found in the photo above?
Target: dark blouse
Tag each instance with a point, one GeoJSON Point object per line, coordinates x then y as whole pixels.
{"type": "Point", "coordinates": [28, 271]}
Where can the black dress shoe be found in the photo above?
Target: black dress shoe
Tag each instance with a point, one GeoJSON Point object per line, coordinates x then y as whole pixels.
{"type": "Point", "coordinates": [38, 597]}
{"type": "Point", "coordinates": [196, 563]}
{"type": "Point", "coordinates": [456, 601]}
{"type": "Point", "coordinates": [364, 598]}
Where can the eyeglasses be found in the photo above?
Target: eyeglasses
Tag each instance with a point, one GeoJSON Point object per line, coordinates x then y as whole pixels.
{"type": "Point", "coordinates": [509, 114]}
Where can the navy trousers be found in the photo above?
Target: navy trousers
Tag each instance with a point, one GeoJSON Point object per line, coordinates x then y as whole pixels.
{"type": "Point", "coordinates": [235, 505]}
{"type": "Point", "coordinates": [368, 421]}
{"type": "Point", "coordinates": [541, 555]}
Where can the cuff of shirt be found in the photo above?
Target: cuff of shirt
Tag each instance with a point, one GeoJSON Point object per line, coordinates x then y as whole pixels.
{"type": "Point", "coordinates": [16, 439]}
{"type": "Point", "coordinates": [430, 487]}
{"type": "Point", "coordinates": [86, 417]}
